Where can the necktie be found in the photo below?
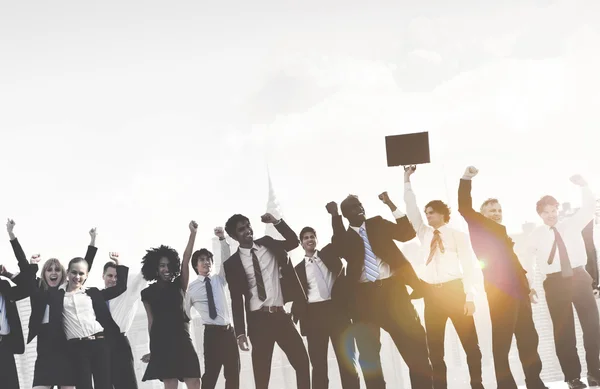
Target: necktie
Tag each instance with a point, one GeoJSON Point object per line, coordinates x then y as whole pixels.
{"type": "Point", "coordinates": [320, 278]}
{"type": "Point", "coordinates": [212, 309]}
{"type": "Point", "coordinates": [260, 284]}
{"type": "Point", "coordinates": [371, 267]}
{"type": "Point", "coordinates": [108, 304]}
{"type": "Point", "coordinates": [436, 241]}
{"type": "Point", "coordinates": [565, 264]}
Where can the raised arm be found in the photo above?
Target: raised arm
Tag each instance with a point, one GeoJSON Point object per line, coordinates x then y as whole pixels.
{"type": "Point", "coordinates": [337, 225]}
{"type": "Point", "coordinates": [402, 230]}
{"type": "Point", "coordinates": [585, 214]}
{"type": "Point", "coordinates": [225, 250]}
{"type": "Point", "coordinates": [465, 202]}
{"type": "Point", "coordinates": [17, 249]}
{"type": "Point", "coordinates": [121, 285]}
{"type": "Point", "coordinates": [291, 239]}
{"type": "Point", "coordinates": [412, 210]}
{"type": "Point", "coordinates": [187, 255]}
{"type": "Point", "coordinates": [91, 250]}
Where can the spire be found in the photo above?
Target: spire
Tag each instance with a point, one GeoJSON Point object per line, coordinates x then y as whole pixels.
{"type": "Point", "coordinates": [273, 208]}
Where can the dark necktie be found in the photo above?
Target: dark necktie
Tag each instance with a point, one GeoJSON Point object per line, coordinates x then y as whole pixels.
{"type": "Point", "coordinates": [212, 309]}
{"type": "Point", "coordinates": [565, 264]}
{"type": "Point", "coordinates": [108, 304]}
{"type": "Point", "coordinates": [260, 284]}
{"type": "Point", "coordinates": [436, 241]}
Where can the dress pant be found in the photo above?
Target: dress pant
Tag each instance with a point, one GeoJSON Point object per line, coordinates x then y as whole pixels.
{"type": "Point", "coordinates": [442, 302]}
{"type": "Point", "coordinates": [9, 378]}
{"type": "Point", "coordinates": [122, 370]}
{"type": "Point", "coordinates": [268, 329]}
{"type": "Point", "coordinates": [324, 322]}
{"type": "Point", "coordinates": [513, 316]}
{"type": "Point", "coordinates": [220, 351]}
{"type": "Point", "coordinates": [562, 294]}
{"type": "Point", "coordinates": [385, 304]}
{"type": "Point", "coordinates": [92, 359]}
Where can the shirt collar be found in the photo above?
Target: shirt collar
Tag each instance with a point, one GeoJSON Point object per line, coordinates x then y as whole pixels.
{"type": "Point", "coordinates": [314, 257]}
{"type": "Point", "coordinates": [64, 287]}
{"type": "Point", "coordinates": [363, 226]}
{"type": "Point", "coordinates": [246, 251]}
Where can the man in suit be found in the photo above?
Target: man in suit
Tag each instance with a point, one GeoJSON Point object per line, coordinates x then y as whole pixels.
{"type": "Point", "coordinates": [378, 274]}
{"type": "Point", "coordinates": [506, 287]}
{"type": "Point", "coordinates": [261, 277]}
{"type": "Point", "coordinates": [11, 334]}
{"type": "Point", "coordinates": [321, 316]}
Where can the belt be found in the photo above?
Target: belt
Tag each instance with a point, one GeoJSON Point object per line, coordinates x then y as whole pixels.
{"type": "Point", "coordinates": [271, 309]}
{"type": "Point", "coordinates": [99, 335]}
{"type": "Point", "coordinates": [218, 327]}
{"type": "Point", "coordinates": [377, 283]}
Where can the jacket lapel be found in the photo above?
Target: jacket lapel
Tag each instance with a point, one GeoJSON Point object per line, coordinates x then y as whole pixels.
{"type": "Point", "coordinates": [301, 271]}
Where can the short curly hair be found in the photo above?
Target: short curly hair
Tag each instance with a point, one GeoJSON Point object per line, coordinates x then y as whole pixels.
{"type": "Point", "coordinates": [152, 258]}
{"type": "Point", "coordinates": [543, 202]}
{"type": "Point", "coordinates": [440, 207]}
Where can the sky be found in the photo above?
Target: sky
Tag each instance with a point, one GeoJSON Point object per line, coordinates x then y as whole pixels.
{"type": "Point", "coordinates": [136, 117]}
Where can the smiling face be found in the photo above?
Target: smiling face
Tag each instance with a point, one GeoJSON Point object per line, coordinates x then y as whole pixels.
{"type": "Point", "coordinates": [353, 210]}
{"type": "Point", "coordinates": [77, 274]}
{"type": "Point", "coordinates": [204, 265]}
{"type": "Point", "coordinates": [164, 273]}
{"type": "Point", "coordinates": [244, 234]}
{"type": "Point", "coordinates": [493, 211]}
{"type": "Point", "coordinates": [53, 273]}
{"type": "Point", "coordinates": [549, 215]}
{"type": "Point", "coordinates": [309, 242]}
{"type": "Point", "coordinates": [110, 277]}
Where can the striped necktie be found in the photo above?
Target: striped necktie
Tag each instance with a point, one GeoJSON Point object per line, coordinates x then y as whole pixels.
{"type": "Point", "coordinates": [436, 242]}
{"type": "Point", "coordinates": [260, 284]}
{"type": "Point", "coordinates": [371, 266]}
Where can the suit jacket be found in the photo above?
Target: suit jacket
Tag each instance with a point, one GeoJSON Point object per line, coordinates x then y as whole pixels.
{"type": "Point", "coordinates": [99, 298]}
{"type": "Point", "coordinates": [334, 264]}
{"type": "Point", "coordinates": [40, 297]}
{"type": "Point", "coordinates": [238, 282]}
{"type": "Point", "coordinates": [382, 234]}
{"type": "Point", "coordinates": [12, 294]}
{"type": "Point", "coordinates": [492, 246]}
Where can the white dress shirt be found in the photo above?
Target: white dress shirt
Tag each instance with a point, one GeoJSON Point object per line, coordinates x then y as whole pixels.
{"type": "Point", "coordinates": [542, 238]}
{"type": "Point", "coordinates": [384, 269]}
{"type": "Point", "coordinates": [270, 273]}
{"type": "Point", "coordinates": [79, 318]}
{"type": "Point", "coordinates": [4, 327]}
{"type": "Point", "coordinates": [456, 262]}
{"type": "Point", "coordinates": [124, 307]}
{"type": "Point", "coordinates": [198, 298]}
{"type": "Point", "coordinates": [317, 272]}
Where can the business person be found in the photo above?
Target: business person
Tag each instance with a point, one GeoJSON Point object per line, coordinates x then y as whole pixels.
{"type": "Point", "coordinates": [11, 334]}
{"type": "Point", "coordinates": [450, 275]}
{"type": "Point", "coordinates": [378, 274]}
{"type": "Point", "coordinates": [323, 317]}
{"type": "Point", "coordinates": [506, 287]}
{"type": "Point", "coordinates": [261, 280]}
{"type": "Point", "coordinates": [559, 249]}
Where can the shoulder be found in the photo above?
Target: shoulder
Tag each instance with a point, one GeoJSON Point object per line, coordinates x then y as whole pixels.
{"type": "Point", "coordinates": [194, 284]}
{"type": "Point", "coordinates": [300, 265]}
{"type": "Point", "coordinates": [147, 292]}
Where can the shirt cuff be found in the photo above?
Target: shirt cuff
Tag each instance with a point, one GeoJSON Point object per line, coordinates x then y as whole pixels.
{"type": "Point", "coordinates": [398, 214]}
{"type": "Point", "coordinates": [470, 297]}
{"type": "Point", "coordinates": [14, 275]}
{"type": "Point", "coordinates": [277, 222]}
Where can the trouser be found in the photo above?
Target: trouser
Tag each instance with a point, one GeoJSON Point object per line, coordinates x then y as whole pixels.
{"type": "Point", "coordinates": [271, 328]}
{"type": "Point", "coordinates": [562, 294]}
{"type": "Point", "coordinates": [513, 316]}
{"type": "Point", "coordinates": [92, 361]}
{"type": "Point", "coordinates": [220, 351]}
{"type": "Point", "coordinates": [385, 304]}
{"type": "Point", "coordinates": [323, 323]}
{"type": "Point", "coordinates": [8, 368]}
{"type": "Point", "coordinates": [122, 371]}
{"type": "Point", "coordinates": [442, 302]}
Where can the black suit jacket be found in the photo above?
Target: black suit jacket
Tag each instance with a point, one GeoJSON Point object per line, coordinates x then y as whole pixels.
{"type": "Point", "coordinates": [332, 261]}
{"type": "Point", "coordinates": [238, 282]}
{"type": "Point", "coordinates": [492, 246]}
{"type": "Point", "coordinates": [99, 298]}
{"type": "Point", "coordinates": [40, 297]}
{"type": "Point", "coordinates": [12, 294]}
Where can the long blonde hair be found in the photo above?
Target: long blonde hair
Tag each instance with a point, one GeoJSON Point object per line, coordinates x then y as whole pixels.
{"type": "Point", "coordinates": [52, 261]}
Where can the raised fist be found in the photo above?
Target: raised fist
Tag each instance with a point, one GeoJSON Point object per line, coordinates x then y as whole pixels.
{"type": "Point", "coordinates": [332, 208]}
{"type": "Point", "coordinates": [35, 258]}
{"type": "Point", "coordinates": [93, 233]}
{"type": "Point", "coordinates": [578, 180]}
{"type": "Point", "coordinates": [384, 198]}
{"type": "Point", "coordinates": [114, 256]}
{"type": "Point", "coordinates": [193, 226]}
{"type": "Point", "coordinates": [470, 172]}
{"type": "Point", "coordinates": [267, 218]}
{"type": "Point", "coordinates": [10, 225]}
{"type": "Point", "coordinates": [219, 232]}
